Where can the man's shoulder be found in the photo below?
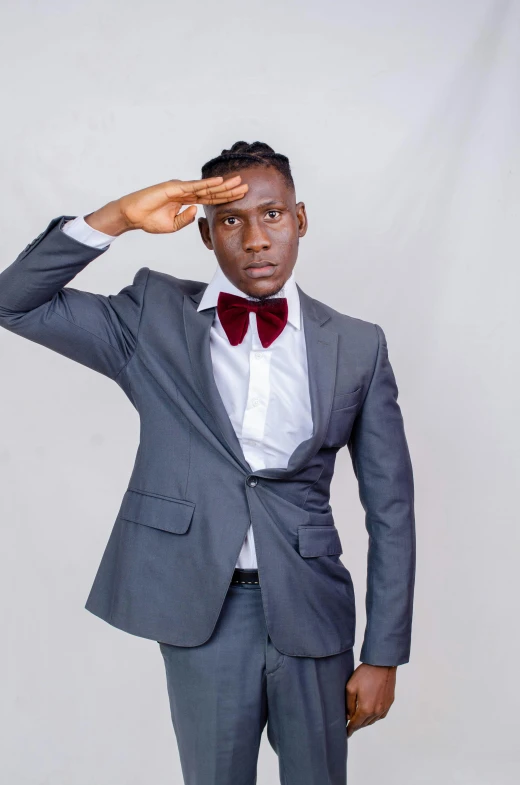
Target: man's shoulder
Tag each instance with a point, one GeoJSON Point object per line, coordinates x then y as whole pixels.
{"type": "Point", "coordinates": [166, 281]}
{"type": "Point", "coordinates": [342, 321]}
{"type": "Point", "coordinates": [355, 334]}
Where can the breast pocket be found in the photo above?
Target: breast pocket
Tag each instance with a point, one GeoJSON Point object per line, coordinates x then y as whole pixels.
{"type": "Point", "coordinates": [345, 400]}
{"type": "Point", "coordinates": [345, 406]}
{"type": "Point", "coordinates": [159, 512]}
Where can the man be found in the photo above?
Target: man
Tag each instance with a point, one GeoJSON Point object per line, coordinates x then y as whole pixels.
{"type": "Point", "coordinates": [225, 549]}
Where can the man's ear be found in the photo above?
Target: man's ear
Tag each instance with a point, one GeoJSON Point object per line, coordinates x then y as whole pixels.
{"type": "Point", "coordinates": [301, 215]}
{"type": "Point", "coordinates": [204, 233]}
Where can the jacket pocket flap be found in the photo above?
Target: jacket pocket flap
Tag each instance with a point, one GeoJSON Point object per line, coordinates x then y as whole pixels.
{"type": "Point", "coordinates": [346, 399]}
{"type": "Point", "coordinates": [160, 512]}
{"type": "Point", "coordinates": [319, 541]}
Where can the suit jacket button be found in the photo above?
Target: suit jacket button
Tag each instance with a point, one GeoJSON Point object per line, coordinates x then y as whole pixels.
{"type": "Point", "coordinates": [252, 481]}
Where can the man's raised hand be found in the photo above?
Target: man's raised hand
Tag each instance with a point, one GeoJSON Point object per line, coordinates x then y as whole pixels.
{"type": "Point", "coordinates": [157, 209]}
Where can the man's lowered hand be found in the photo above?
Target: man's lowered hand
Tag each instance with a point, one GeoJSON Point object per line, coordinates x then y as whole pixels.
{"type": "Point", "coordinates": [369, 695]}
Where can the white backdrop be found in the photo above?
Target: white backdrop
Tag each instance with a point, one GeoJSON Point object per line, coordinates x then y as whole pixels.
{"type": "Point", "coordinates": [402, 123]}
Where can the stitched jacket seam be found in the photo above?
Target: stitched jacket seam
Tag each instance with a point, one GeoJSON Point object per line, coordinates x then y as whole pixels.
{"type": "Point", "coordinates": [361, 481]}
{"type": "Point", "coordinates": [375, 366]}
{"type": "Point", "coordinates": [117, 577]}
{"type": "Point", "coordinates": [311, 486]}
{"type": "Point", "coordinates": [69, 321]}
{"type": "Point", "coordinates": [138, 328]}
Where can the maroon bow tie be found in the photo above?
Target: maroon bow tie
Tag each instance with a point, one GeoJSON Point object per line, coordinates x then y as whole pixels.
{"type": "Point", "coordinates": [233, 312]}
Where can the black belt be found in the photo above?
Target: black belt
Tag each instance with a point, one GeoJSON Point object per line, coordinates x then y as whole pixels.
{"type": "Point", "coordinates": [245, 576]}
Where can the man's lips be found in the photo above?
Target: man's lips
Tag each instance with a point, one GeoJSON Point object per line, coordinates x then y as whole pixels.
{"type": "Point", "coordinates": [259, 263]}
{"type": "Point", "coordinates": [260, 269]}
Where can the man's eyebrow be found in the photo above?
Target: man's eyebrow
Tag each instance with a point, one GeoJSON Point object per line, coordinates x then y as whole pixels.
{"type": "Point", "coordinates": [224, 209]}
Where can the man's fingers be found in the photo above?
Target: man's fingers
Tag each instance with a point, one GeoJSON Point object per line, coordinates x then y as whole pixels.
{"type": "Point", "coordinates": [227, 185]}
{"type": "Point", "coordinates": [228, 196]}
{"type": "Point", "coordinates": [212, 190]}
{"type": "Point", "coordinates": [178, 190]}
{"type": "Point", "coordinates": [371, 721]}
{"type": "Point", "coordinates": [360, 720]}
{"type": "Point", "coordinates": [351, 703]}
{"type": "Point", "coordinates": [353, 713]}
{"type": "Point", "coordinates": [225, 196]}
{"type": "Point", "coordinates": [354, 723]}
{"type": "Point", "coordinates": [189, 186]}
{"type": "Point", "coordinates": [211, 185]}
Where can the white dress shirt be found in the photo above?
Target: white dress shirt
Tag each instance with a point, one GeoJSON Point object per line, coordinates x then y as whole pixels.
{"type": "Point", "coordinates": [265, 391]}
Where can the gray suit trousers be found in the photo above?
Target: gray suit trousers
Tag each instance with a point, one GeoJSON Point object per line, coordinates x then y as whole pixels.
{"type": "Point", "coordinates": [224, 692]}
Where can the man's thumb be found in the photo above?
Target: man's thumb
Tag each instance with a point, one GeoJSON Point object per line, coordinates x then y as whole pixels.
{"type": "Point", "coordinates": [186, 217]}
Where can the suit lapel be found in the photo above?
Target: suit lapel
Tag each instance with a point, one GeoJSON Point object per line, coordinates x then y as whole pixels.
{"type": "Point", "coordinates": [197, 325]}
{"type": "Point", "coordinates": [322, 348]}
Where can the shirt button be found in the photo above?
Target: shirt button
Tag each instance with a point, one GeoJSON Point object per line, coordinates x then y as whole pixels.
{"type": "Point", "coordinates": [258, 356]}
{"type": "Point", "coordinates": [252, 481]}
{"type": "Point", "coordinates": [255, 402]}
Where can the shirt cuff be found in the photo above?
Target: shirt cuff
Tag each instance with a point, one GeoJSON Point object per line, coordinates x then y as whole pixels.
{"type": "Point", "coordinates": [79, 230]}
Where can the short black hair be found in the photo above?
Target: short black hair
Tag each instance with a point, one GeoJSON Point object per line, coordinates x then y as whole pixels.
{"type": "Point", "coordinates": [243, 155]}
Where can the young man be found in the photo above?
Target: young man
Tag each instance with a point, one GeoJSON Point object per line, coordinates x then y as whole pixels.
{"type": "Point", "coordinates": [225, 549]}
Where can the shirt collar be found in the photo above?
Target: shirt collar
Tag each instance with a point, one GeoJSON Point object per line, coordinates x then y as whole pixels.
{"type": "Point", "coordinates": [219, 283]}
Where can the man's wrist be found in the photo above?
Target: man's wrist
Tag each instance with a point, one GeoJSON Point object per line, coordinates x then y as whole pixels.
{"type": "Point", "coordinates": [371, 664]}
{"type": "Point", "coordinates": [108, 219]}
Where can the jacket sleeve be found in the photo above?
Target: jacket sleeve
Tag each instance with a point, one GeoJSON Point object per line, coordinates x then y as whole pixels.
{"type": "Point", "coordinates": [95, 330]}
{"type": "Point", "coordinates": [383, 468]}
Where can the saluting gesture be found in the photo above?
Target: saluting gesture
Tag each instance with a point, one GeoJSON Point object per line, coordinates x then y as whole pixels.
{"type": "Point", "coordinates": [157, 209]}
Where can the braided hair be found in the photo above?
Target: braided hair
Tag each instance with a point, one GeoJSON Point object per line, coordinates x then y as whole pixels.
{"type": "Point", "coordinates": [243, 155]}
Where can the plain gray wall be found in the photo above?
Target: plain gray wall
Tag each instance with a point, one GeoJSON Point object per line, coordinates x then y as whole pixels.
{"type": "Point", "coordinates": [402, 123]}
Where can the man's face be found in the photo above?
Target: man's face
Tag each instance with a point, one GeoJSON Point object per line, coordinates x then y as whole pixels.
{"type": "Point", "coordinates": [255, 239]}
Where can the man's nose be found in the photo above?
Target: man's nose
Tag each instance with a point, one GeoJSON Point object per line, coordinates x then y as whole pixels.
{"type": "Point", "coordinates": [255, 238]}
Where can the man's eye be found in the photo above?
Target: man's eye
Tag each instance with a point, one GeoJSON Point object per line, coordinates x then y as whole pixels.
{"type": "Point", "coordinates": [230, 218]}
{"type": "Point", "coordinates": [269, 213]}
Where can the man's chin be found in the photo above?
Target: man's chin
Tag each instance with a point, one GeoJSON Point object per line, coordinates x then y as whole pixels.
{"type": "Point", "coordinates": [260, 290]}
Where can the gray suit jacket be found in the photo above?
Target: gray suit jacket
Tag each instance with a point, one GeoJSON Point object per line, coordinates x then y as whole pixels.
{"type": "Point", "coordinates": [192, 495]}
